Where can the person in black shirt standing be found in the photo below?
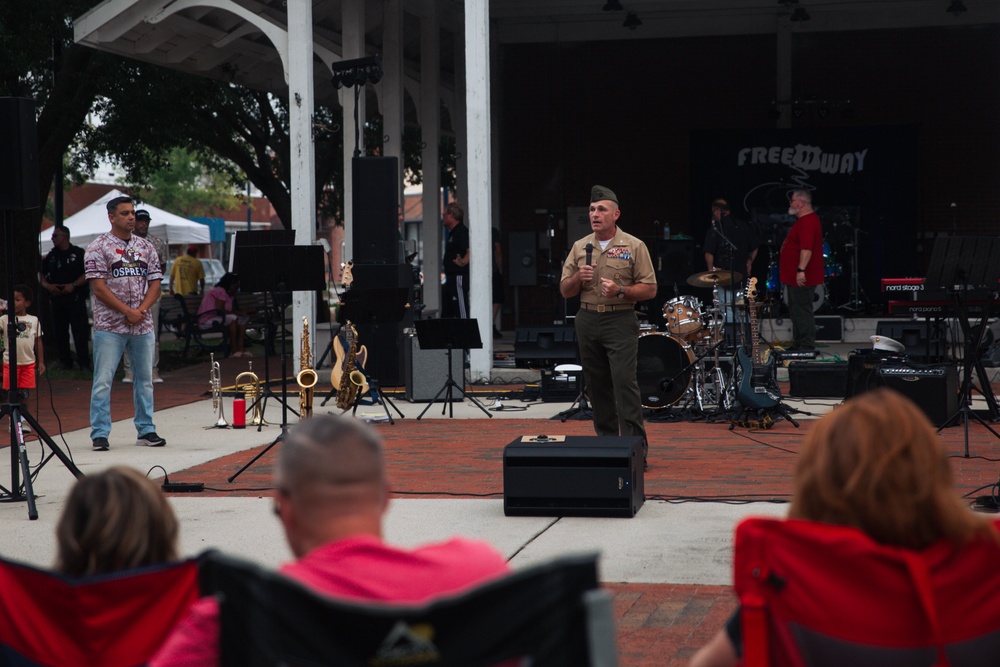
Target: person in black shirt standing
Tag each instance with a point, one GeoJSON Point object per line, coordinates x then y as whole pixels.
{"type": "Point", "coordinates": [720, 257]}
{"type": "Point", "coordinates": [455, 302]}
{"type": "Point", "coordinates": [62, 275]}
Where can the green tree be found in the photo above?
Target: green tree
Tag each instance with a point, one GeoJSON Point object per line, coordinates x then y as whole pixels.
{"type": "Point", "coordinates": [188, 187]}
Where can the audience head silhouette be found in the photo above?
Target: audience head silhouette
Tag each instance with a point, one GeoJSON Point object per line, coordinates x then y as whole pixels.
{"type": "Point", "coordinates": [876, 464]}
{"type": "Point", "coordinates": [330, 482]}
{"type": "Point", "coordinates": [114, 520]}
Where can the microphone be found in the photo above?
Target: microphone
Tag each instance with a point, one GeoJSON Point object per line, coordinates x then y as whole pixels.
{"type": "Point", "coordinates": [590, 252]}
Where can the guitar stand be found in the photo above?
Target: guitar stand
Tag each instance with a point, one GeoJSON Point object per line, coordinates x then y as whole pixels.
{"type": "Point", "coordinates": [377, 397]}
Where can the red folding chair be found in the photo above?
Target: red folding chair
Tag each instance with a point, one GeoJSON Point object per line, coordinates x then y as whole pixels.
{"type": "Point", "coordinates": [817, 595]}
{"type": "Point", "coordinates": [113, 620]}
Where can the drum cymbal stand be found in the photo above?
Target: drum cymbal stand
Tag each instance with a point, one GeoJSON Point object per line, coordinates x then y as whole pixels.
{"type": "Point", "coordinates": [857, 303]}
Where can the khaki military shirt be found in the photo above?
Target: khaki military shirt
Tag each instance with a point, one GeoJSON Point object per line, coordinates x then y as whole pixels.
{"type": "Point", "coordinates": [626, 260]}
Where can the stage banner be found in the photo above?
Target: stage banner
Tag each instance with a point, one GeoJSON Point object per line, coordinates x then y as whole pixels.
{"type": "Point", "coordinates": [864, 186]}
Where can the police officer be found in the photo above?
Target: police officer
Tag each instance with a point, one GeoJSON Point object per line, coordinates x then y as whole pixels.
{"type": "Point", "coordinates": [611, 277]}
{"type": "Point", "coordinates": [62, 275]}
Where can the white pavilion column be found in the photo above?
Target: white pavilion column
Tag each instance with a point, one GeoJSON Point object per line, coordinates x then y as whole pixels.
{"type": "Point", "coordinates": [303, 160]}
{"type": "Point", "coordinates": [392, 84]}
{"type": "Point", "coordinates": [479, 181]}
{"type": "Point", "coordinates": [353, 12]}
{"type": "Point", "coordinates": [430, 127]}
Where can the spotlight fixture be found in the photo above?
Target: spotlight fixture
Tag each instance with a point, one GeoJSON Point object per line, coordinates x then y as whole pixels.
{"type": "Point", "coordinates": [956, 8]}
{"type": "Point", "coordinates": [632, 21]}
{"type": "Point", "coordinates": [613, 6]}
{"type": "Point", "coordinates": [800, 14]}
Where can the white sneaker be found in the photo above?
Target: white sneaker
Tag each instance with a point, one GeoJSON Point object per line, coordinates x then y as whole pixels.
{"type": "Point", "coordinates": [156, 378]}
{"type": "Point", "coordinates": [127, 379]}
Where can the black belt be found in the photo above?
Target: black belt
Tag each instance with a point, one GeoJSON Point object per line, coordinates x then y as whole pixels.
{"type": "Point", "coordinates": [607, 308]}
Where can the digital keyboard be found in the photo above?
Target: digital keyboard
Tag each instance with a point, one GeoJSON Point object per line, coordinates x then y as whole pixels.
{"type": "Point", "coordinates": [935, 308]}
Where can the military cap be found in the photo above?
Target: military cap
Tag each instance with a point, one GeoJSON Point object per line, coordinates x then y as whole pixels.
{"type": "Point", "coordinates": [599, 192]}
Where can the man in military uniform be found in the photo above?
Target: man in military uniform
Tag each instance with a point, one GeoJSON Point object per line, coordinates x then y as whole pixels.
{"type": "Point", "coordinates": [617, 275]}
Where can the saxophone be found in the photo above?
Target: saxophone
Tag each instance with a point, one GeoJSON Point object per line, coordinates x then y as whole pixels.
{"type": "Point", "coordinates": [351, 379]}
{"type": "Point", "coordinates": [307, 377]}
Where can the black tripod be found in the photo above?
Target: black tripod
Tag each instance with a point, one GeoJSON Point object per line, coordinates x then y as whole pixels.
{"type": "Point", "coordinates": [374, 393]}
{"type": "Point", "coordinates": [963, 264]}
{"type": "Point", "coordinates": [450, 334]}
{"type": "Point", "coordinates": [277, 313]}
{"type": "Point", "coordinates": [293, 269]}
{"type": "Point", "coordinates": [14, 410]}
{"type": "Point", "coordinates": [580, 409]}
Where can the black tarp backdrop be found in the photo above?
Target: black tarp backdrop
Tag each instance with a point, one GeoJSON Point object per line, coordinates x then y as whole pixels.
{"type": "Point", "coordinates": [864, 175]}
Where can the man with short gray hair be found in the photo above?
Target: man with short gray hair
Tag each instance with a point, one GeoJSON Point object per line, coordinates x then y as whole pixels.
{"type": "Point", "coordinates": [331, 495]}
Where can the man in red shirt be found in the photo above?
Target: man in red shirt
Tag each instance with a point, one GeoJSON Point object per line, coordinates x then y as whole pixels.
{"type": "Point", "coordinates": [331, 495]}
{"type": "Point", "coordinates": [801, 268]}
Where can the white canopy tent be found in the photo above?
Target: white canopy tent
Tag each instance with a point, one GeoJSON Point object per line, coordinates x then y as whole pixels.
{"type": "Point", "coordinates": [92, 221]}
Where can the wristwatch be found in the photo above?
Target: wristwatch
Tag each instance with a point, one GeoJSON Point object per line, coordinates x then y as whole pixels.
{"type": "Point", "coordinates": [621, 292]}
{"type": "Point", "coordinates": [800, 270]}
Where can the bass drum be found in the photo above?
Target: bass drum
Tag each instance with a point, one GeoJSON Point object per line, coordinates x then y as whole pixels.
{"type": "Point", "coordinates": [819, 296]}
{"type": "Point", "coordinates": [663, 369]}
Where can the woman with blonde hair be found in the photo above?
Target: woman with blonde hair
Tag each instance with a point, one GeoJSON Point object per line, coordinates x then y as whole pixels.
{"type": "Point", "coordinates": [877, 465]}
{"type": "Point", "coordinates": [114, 520]}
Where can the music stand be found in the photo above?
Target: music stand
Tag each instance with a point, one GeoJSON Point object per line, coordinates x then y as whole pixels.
{"type": "Point", "coordinates": [450, 334]}
{"type": "Point", "coordinates": [960, 264]}
{"type": "Point", "coordinates": [280, 269]}
{"type": "Point", "coordinates": [373, 306]}
{"type": "Point", "coordinates": [15, 410]}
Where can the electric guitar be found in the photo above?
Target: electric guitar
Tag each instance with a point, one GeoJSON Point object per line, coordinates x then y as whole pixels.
{"type": "Point", "coordinates": [342, 344]}
{"type": "Point", "coordinates": [757, 385]}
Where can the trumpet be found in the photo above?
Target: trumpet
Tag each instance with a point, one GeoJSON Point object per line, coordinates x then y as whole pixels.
{"type": "Point", "coordinates": [215, 380]}
{"type": "Point", "coordinates": [251, 392]}
{"type": "Point", "coordinates": [307, 377]}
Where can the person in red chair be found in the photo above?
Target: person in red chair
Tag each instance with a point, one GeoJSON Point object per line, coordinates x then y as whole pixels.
{"type": "Point", "coordinates": [114, 520]}
{"type": "Point", "coordinates": [875, 465]}
{"type": "Point", "coordinates": [117, 589]}
{"type": "Point", "coordinates": [331, 496]}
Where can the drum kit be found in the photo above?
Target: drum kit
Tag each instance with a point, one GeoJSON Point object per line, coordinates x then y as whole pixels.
{"type": "Point", "coordinates": [683, 361]}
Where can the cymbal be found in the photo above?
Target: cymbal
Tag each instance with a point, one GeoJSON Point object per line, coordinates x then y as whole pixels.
{"type": "Point", "coordinates": [712, 278]}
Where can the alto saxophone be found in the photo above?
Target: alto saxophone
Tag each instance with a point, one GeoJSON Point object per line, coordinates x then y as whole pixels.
{"type": "Point", "coordinates": [351, 379]}
{"type": "Point", "coordinates": [307, 377]}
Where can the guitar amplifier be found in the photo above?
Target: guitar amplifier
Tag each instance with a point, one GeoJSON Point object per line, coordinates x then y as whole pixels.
{"type": "Point", "coordinates": [933, 388]}
{"type": "Point", "coordinates": [818, 380]}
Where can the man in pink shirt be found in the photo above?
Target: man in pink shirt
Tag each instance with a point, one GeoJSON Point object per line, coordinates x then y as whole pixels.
{"type": "Point", "coordinates": [331, 495]}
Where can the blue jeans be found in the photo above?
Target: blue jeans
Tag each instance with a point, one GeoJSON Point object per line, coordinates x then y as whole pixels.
{"type": "Point", "coordinates": [108, 350]}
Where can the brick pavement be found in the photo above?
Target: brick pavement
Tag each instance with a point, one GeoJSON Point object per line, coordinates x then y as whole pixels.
{"type": "Point", "coordinates": [658, 624]}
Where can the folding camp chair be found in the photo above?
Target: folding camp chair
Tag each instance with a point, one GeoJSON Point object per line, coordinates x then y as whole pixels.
{"type": "Point", "coordinates": [817, 595]}
{"type": "Point", "coordinates": [555, 614]}
{"type": "Point", "coordinates": [113, 620]}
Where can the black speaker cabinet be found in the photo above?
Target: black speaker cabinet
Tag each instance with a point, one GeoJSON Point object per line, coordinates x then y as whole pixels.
{"type": "Point", "coordinates": [862, 372]}
{"type": "Point", "coordinates": [933, 388]}
{"type": "Point", "coordinates": [538, 347]}
{"type": "Point", "coordinates": [375, 219]}
{"type": "Point", "coordinates": [427, 370]}
{"type": "Point", "coordinates": [18, 154]}
{"type": "Point", "coordinates": [522, 263]}
{"type": "Point", "coordinates": [384, 343]}
{"type": "Point", "coordinates": [673, 260]}
{"type": "Point", "coordinates": [813, 379]}
{"type": "Point", "coordinates": [377, 276]}
{"type": "Point", "coordinates": [924, 342]}
{"type": "Point", "coordinates": [598, 476]}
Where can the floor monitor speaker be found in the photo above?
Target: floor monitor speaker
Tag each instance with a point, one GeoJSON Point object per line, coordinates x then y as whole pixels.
{"type": "Point", "coordinates": [18, 154]}
{"type": "Point", "coordinates": [598, 476]}
{"type": "Point", "coordinates": [537, 347]}
{"type": "Point", "coordinates": [375, 218]}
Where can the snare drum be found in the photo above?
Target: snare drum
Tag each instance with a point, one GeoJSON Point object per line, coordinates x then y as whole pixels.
{"type": "Point", "coordinates": [682, 315]}
{"type": "Point", "coordinates": [663, 369]}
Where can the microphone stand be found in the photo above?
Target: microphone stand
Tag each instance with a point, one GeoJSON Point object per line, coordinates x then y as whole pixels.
{"type": "Point", "coordinates": [717, 226]}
